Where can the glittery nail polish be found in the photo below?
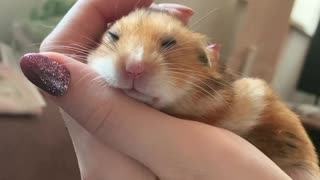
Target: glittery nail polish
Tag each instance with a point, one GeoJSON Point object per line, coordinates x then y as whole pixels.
{"type": "Point", "coordinates": [47, 74]}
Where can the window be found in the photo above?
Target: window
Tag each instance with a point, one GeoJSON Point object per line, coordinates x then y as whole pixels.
{"type": "Point", "coordinates": [305, 15]}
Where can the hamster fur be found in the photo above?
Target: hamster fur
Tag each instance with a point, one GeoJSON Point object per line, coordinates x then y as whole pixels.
{"type": "Point", "coordinates": [153, 57]}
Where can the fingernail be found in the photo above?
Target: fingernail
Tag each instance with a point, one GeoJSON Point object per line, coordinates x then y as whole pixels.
{"type": "Point", "coordinates": [47, 74]}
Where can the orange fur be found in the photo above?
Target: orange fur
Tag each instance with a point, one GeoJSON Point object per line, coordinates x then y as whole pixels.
{"type": "Point", "coordinates": [208, 93]}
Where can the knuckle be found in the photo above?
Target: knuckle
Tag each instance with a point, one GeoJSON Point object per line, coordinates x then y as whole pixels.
{"type": "Point", "coordinates": [101, 119]}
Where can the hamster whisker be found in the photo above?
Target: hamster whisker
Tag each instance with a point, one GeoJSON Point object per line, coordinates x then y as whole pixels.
{"type": "Point", "coordinates": [197, 86]}
{"type": "Point", "coordinates": [80, 45]}
{"type": "Point", "coordinates": [210, 13]}
{"type": "Point", "coordinates": [110, 46]}
{"type": "Point", "coordinates": [82, 52]}
{"type": "Point", "coordinates": [61, 47]}
{"type": "Point", "coordinates": [230, 70]}
{"type": "Point", "coordinates": [70, 45]}
{"type": "Point", "coordinates": [200, 75]}
{"type": "Point", "coordinates": [191, 52]}
{"type": "Point", "coordinates": [82, 58]}
{"type": "Point", "coordinates": [184, 65]}
{"type": "Point", "coordinates": [59, 43]}
{"type": "Point", "coordinates": [92, 41]}
{"type": "Point", "coordinates": [82, 78]}
{"type": "Point", "coordinates": [181, 45]}
{"type": "Point", "coordinates": [169, 81]}
{"type": "Point", "coordinates": [189, 65]}
{"type": "Point", "coordinates": [179, 49]}
{"type": "Point", "coordinates": [101, 82]}
{"type": "Point", "coordinates": [84, 36]}
{"type": "Point", "coordinates": [202, 82]}
{"type": "Point", "coordinates": [205, 16]}
{"type": "Point", "coordinates": [76, 57]}
{"type": "Point", "coordinates": [178, 45]}
{"type": "Point", "coordinates": [196, 89]}
{"type": "Point", "coordinates": [106, 79]}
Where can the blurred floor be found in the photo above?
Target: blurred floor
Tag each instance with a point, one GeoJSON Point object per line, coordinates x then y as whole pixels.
{"type": "Point", "coordinates": [36, 148]}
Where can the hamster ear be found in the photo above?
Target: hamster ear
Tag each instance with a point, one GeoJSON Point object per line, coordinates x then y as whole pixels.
{"type": "Point", "coordinates": [183, 13]}
{"type": "Point", "coordinates": [216, 51]}
{"type": "Point", "coordinates": [110, 24]}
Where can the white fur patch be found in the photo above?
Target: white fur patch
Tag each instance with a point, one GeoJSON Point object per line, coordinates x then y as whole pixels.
{"type": "Point", "coordinates": [248, 104]}
{"type": "Point", "coordinates": [303, 174]}
{"type": "Point", "coordinates": [104, 67]}
{"type": "Point", "coordinates": [138, 56]}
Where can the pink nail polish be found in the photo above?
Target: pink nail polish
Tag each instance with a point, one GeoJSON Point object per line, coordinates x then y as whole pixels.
{"type": "Point", "coordinates": [47, 74]}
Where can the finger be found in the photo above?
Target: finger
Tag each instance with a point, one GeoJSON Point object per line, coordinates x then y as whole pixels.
{"type": "Point", "coordinates": [87, 20]}
{"type": "Point", "coordinates": [182, 12]}
{"type": "Point", "coordinates": [99, 161]}
{"type": "Point", "coordinates": [165, 144]}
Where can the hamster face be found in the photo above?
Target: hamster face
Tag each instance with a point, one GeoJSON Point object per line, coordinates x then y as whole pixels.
{"type": "Point", "coordinates": [152, 57]}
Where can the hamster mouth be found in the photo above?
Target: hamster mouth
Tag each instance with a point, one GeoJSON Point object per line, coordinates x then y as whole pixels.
{"type": "Point", "coordinates": [140, 96]}
{"type": "Point", "coordinates": [134, 92]}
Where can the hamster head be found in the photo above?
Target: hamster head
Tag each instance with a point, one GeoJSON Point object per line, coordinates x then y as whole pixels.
{"type": "Point", "coordinates": [153, 57]}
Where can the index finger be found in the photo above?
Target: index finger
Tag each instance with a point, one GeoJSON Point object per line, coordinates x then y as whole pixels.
{"type": "Point", "coordinates": [86, 22]}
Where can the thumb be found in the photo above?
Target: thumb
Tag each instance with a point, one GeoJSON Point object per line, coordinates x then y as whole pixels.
{"type": "Point", "coordinates": [74, 86]}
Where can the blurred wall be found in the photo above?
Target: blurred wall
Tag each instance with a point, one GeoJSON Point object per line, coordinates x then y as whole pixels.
{"type": "Point", "coordinates": [220, 25]}
{"type": "Point", "coordinates": [289, 68]}
{"type": "Point", "coordinates": [10, 11]}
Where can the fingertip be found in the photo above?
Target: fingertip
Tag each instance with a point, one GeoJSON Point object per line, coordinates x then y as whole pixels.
{"type": "Point", "coordinates": [47, 74]}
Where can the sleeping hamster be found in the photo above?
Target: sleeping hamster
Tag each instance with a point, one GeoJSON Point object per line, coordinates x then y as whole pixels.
{"type": "Point", "coordinates": [155, 58]}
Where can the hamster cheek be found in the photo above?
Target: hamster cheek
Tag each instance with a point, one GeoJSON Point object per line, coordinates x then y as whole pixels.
{"type": "Point", "coordinates": [105, 67]}
{"type": "Point", "coordinates": [169, 92]}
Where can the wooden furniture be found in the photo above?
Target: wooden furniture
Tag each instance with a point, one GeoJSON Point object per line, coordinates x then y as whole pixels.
{"type": "Point", "coordinates": [17, 95]}
{"type": "Point", "coordinates": [37, 147]}
{"type": "Point", "coordinates": [260, 40]}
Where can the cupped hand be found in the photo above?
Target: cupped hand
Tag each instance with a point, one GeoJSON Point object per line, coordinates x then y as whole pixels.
{"type": "Point", "coordinates": [116, 137]}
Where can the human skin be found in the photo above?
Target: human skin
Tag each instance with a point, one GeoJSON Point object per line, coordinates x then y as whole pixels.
{"type": "Point", "coordinates": [116, 137]}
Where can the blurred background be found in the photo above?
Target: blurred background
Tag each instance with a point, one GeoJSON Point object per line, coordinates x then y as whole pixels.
{"type": "Point", "coordinates": [277, 41]}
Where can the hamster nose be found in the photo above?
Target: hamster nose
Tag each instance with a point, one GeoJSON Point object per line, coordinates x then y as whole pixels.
{"type": "Point", "coordinates": [135, 69]}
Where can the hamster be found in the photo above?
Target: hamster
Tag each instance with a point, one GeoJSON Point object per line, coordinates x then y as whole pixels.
{"type": "Point", "coordinates": [155, 58]}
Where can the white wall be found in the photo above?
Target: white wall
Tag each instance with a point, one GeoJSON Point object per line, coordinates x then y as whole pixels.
{"type": "Point", "coordinates": [289, 68]}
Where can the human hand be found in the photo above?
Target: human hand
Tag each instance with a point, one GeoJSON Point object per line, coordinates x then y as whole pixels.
{"type": "Point", "coordinates": [116, 137]}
